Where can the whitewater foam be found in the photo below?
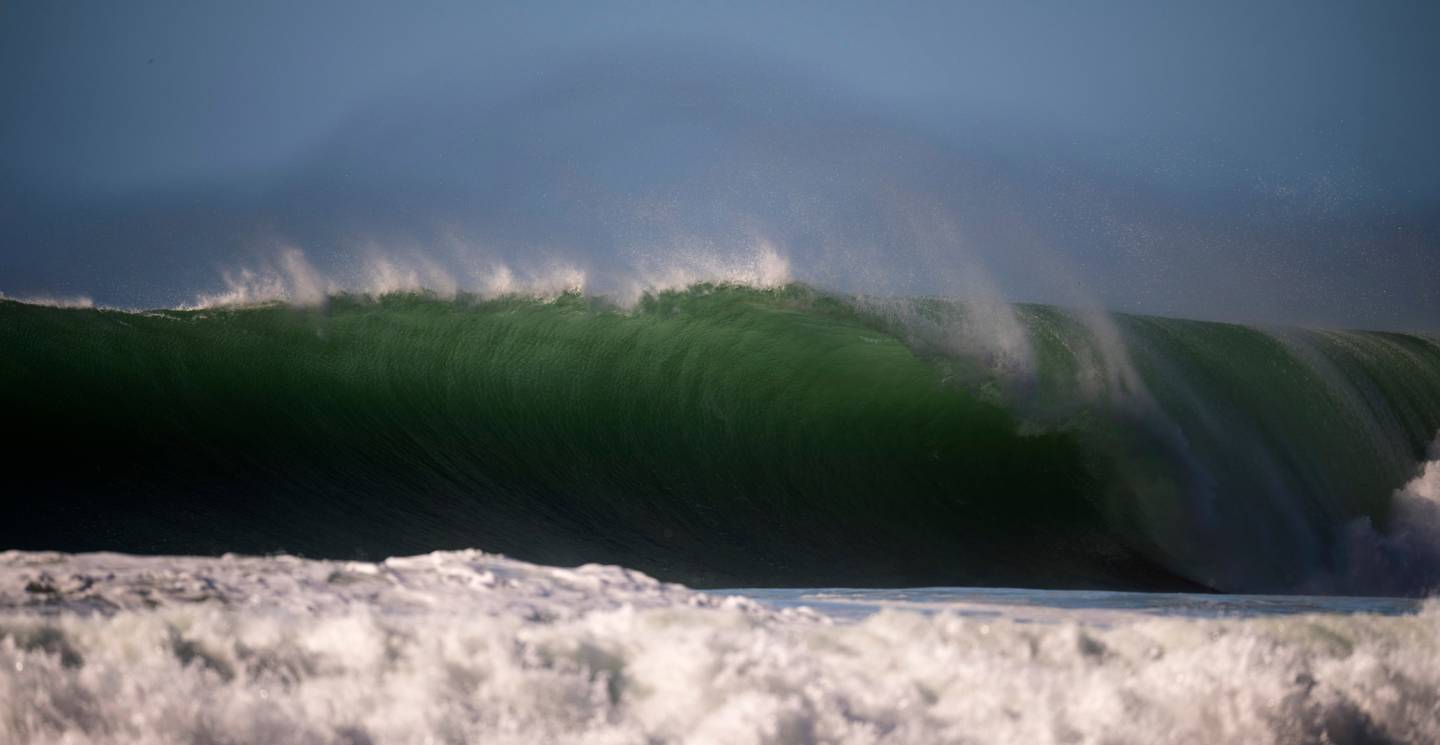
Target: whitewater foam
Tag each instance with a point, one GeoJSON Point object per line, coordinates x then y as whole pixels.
{"type": "Point", "coordinates": [1407, 555]}
{"type": "Point", "coordinates": [470, 647]}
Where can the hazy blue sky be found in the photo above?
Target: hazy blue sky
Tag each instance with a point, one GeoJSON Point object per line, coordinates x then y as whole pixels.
{"type": "Point", "coordinates": [1268, 161]}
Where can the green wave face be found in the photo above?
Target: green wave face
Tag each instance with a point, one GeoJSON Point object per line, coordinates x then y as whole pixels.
{"type": "Point", "coordinates": [1245, 456]}
{"type": "Point", "coordinates": [717, 435]}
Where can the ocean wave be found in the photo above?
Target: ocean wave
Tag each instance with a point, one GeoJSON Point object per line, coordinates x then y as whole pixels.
{"type": "Point", "coordinates": [723, 434]}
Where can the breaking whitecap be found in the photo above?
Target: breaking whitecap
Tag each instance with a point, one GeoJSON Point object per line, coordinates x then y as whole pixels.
{"type": "Point", "coordinates": [473, 647]}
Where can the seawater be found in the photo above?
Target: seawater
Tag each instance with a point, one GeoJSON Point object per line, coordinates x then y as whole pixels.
{"type": "Point", "coordinates": [461, 647]}
{"type": "Point", "coordinates": [1093, 607]}
{"type": "Point", "coordinates": [726, 435]}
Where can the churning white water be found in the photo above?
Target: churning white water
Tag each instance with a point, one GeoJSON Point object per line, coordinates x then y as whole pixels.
{"type": "Point", "coordinates": [471, 647]}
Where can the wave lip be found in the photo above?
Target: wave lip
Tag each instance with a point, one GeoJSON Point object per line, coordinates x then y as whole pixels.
{"type": "Point", "coordinates": [51, 301]}
{"type": "Point", "coordinates": [473, 647]}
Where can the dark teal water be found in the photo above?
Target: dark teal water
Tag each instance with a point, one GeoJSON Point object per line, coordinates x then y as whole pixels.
{"type": "Point", "coordinates": [726, 436]}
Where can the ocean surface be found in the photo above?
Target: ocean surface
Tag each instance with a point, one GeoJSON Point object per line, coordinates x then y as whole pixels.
{"type": "Point", "coordinates": [722, 435]}
{"type": "Point", "coordinates": [732, 514]}
{"type": "Point", "coordinates": [1092, 607]}
{"type": "Point", "coordinates": [473, 647]}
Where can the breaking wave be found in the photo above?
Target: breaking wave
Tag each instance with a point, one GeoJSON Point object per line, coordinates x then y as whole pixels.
{"type": "Point", "coordinates": [726, 434]}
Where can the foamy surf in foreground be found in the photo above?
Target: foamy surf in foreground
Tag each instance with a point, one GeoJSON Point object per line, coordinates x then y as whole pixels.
{"type": "Point", "coordinates": [472, 647]}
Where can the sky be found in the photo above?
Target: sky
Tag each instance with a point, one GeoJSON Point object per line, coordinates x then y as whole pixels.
{"type": "Point", "coordinates": [1250, 161]}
